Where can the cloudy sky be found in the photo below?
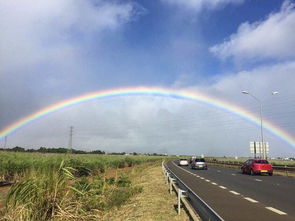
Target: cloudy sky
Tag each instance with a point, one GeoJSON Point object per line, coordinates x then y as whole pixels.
{"type": "Point", "coordinates": [52, 50]}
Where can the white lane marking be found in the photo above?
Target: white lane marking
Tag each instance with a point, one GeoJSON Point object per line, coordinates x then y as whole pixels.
{"type": "Point", "coordinates": [258, 180]}
{"type": "Point", "coordinates": [218, 171]}
{"type": "Point", "coordinates": [234, 192]}
{"type": "Point", "coordinates": [233, 174]}
{"type": "Point", "coordinates": [223, 187]}
{"type": "Point", "coordinates": [250, 199]}
{"type": "Point", "coordinates": [196, 175]}
{"type": "Point", "coordinates": [276, 211]}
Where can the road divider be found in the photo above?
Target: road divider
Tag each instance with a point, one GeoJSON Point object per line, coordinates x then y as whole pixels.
{"type": "Point", "coordinates": [232, 164]}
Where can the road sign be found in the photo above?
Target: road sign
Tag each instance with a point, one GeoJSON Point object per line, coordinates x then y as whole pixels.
{"type": "Point", "coordinates": [259, 148]}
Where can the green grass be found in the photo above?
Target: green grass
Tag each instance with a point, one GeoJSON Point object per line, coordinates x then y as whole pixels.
{"type": "Point", "coordinates": [14, 165]}
{"type": "Point", "coordinates": [68, 187]}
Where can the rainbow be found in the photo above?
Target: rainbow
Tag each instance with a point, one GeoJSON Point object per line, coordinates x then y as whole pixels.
{"type": "Point", "coordinates": [147, 91]}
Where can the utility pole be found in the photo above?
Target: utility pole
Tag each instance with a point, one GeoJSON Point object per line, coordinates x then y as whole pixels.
{"type": "Point", "coordinates": [71, 139]}
{"type": "Point", "coordinates": [5, 142]}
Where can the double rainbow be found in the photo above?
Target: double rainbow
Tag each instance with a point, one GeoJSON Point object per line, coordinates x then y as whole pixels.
{"type": "Point", "coordinates": [144, 91]}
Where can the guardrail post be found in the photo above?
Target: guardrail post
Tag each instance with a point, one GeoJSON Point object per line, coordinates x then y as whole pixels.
{"type": "Point", "coordinates": [181, 193]}
{"type": "Point", "coordinates": [172, 180]}
{"type": "Point", "coordinates": [286, 170]}
{"type": "Point", "coordinates": [167, 177]}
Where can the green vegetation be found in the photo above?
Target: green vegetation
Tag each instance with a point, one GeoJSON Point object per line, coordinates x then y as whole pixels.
{"type": "Point", "coordinates": [70, 187]}
{"type": "Point", "coordinates": [51, 150]}
{"type": "Point", "coordinates": [14, 165]}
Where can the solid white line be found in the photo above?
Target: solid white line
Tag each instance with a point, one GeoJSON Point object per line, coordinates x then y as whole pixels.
{"type": "Point", "coordinates": [223, 187]}
{"type": "Point", "coordinates": [276, 211]}
{"type": "Point", "coordinates": [214, 183]}
{"type": "Point", "coordinates": [233, 174]}
{"type": "Point", "coordinates": [234, 192]}
{"type": "Point", "coordinates": [250, 199]}
{"type": "Point", "coordinates": [258, 180]}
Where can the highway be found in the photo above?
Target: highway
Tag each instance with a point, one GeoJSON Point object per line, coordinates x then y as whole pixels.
{"type": "Point", "coordinates": [236, 196]}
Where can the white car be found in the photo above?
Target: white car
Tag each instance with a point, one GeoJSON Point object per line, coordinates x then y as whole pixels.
{"type": "Point", "coordinates": [183, 162]}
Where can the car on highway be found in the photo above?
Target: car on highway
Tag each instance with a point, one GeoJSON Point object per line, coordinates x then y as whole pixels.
{"type": "Point", "coordinates": [199, 164]}
{"type": "Point", "coordinates": [183, 162]}
{"type": "Point", "coordinates": [257, 166]}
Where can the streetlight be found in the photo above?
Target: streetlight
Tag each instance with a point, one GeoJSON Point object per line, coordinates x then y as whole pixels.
{"type": "Point", "coordinates": [261, 125]}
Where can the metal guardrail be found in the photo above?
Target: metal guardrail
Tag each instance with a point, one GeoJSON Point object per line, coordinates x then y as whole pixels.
{"type": "Point", "coordinates": [232, 163]}
{"type": "Point", "coordinates": [203, 209]}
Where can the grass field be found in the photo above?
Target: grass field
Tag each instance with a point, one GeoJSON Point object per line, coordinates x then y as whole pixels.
{"type": "Point", "coordinates": [13, 165]}
{"type": "Point", "coordinates": [68, 187]}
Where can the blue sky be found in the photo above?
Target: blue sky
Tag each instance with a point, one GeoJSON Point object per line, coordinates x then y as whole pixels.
{"type": "Point", "coordinates": [56, 49]}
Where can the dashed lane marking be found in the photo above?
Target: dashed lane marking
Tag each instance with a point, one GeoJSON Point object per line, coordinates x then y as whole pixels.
{"type": "Point", "coordinates": [234, 192]}
{"type": "Point", "coordinates": [250, 199]}
{"type": "Point", "coordinates": [276, 211]}
{"type": "Point", "coordinates": [218, 171]}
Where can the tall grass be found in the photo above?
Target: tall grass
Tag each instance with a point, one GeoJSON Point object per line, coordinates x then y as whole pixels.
{"type": "Point", "coordinates": [38, 195]}
{"type": "Point", "coordinates": [15, 165]}
{"type": "Point", "coordinates": [68, 187]}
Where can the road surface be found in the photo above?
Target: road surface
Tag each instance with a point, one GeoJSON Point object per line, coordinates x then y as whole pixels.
{"type": "Point", "coordinates": [235, 196]}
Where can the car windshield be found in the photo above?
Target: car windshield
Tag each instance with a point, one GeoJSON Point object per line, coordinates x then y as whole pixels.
{"type": "Point", "coordinates": [200, 160]}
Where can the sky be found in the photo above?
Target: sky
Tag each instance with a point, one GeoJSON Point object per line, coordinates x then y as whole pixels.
{"type": "Point", "coordinates": [53, 50]}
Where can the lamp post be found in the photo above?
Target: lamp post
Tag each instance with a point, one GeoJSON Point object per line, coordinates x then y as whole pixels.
{"type": "Point", "coordinates": [261, 125]}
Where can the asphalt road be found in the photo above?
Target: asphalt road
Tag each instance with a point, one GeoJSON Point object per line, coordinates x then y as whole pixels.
{"type": "Point", "coordinates": [235, 196]}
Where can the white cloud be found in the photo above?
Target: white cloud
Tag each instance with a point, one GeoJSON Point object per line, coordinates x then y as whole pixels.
{"type": "Point", "coordinates": [33, 32]}
{"type": "Point", "coordinates": [47, 48]}
{"type": "Point", "coordinates": [272, 38]}
{"type": "Point", "coordinates": [198, 5]}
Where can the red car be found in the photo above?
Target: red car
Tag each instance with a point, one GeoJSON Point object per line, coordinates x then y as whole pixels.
{"type": "Point", "coordinates": [257, 166]}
